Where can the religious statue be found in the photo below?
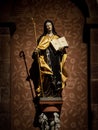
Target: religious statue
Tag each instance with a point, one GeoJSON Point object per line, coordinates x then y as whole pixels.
{"type": "Point", "coordinates": [49, 77]}
{"type": "Point", "coordinates": [48, 72]}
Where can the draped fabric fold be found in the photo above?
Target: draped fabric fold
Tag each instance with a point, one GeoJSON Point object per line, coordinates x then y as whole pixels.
{"type": "Point", "coordinates": [63, 71]}
{"type": "Point", "coordinates": [44, 67]}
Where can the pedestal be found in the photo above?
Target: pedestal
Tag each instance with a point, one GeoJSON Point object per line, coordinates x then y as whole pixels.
{"type": "Point", "coordinates": [50, 108]}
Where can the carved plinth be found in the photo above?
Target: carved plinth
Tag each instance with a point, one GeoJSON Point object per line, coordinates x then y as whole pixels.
{"type": "Point", "coordinates": [50, 104]}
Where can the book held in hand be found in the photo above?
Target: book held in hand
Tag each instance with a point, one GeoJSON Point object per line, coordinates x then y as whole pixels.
{"type": "Point", "coordinates": [59, 43]}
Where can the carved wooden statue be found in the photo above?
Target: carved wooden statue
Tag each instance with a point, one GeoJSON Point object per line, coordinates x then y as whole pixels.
{"type": "Point", "coordinates": [47, 71]}
{"type": "Point", "coordinates": [49, 76]}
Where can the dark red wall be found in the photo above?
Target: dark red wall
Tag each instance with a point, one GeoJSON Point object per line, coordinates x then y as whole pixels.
{"type": "Point", "coordinates": [69, 22]}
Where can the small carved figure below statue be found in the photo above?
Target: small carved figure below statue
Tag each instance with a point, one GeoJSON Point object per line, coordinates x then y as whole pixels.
{"type": "Point", "coordinates": [48, 71]}
{"type": "Point", "coordinates": [43, 120]}
{"type": "Point", "coordinates": [45, 124]}
{"type": "Point", "coordinates": [55, 124]}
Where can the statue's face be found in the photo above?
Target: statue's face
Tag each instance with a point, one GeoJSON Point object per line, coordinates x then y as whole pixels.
{"type": "Point", "coordinates": [49, 26]}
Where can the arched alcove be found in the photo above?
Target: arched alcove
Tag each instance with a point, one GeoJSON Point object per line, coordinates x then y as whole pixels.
{"type": "Point", "coordinates": [69, 21]}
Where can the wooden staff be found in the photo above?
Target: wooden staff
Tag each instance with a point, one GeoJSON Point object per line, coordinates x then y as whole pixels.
{"type": "Point", "coordinates": [41, 85]}
{"type": "Point", "coordinates": [34, 30]}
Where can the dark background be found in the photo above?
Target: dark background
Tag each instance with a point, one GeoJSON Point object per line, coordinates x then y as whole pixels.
{"type": "Point", "coordinates": [77, 20]}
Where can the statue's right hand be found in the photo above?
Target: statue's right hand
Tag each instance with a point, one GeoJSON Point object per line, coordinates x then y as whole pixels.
{"type": "Point", "coordinates": [36, 50]}
{"type": "Point", "coordinates": [35, 53]}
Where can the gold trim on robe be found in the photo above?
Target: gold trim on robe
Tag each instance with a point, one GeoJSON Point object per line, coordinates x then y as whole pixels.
{"type": "Point", "coordinates": [45, 69]}
{"type": "Point", "coordinates": [63, 71]}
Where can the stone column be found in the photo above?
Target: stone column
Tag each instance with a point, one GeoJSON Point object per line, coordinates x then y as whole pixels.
{"type": "Point", "coordinates": [5, 36]}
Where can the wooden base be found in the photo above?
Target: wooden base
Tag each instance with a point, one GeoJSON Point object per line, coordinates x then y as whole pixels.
{"type": "Point", "coordinates": [50, 104]}
{"type": "Point", "coordinates": [50, 109]}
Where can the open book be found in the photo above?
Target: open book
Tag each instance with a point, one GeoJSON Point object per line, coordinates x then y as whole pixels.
{"type": "Point", "coordinates": [59, 43]}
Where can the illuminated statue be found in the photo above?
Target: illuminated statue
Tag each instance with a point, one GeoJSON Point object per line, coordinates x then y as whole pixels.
{"type": "Point", "coordinates": [48, 71]}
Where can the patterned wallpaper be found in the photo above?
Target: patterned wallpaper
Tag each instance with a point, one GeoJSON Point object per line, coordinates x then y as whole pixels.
{"type": "Point", "coordinates": [68, 22]}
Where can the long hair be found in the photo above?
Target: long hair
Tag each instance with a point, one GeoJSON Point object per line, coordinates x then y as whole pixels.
{"type": "Point", "coordinates": [45, 29]}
